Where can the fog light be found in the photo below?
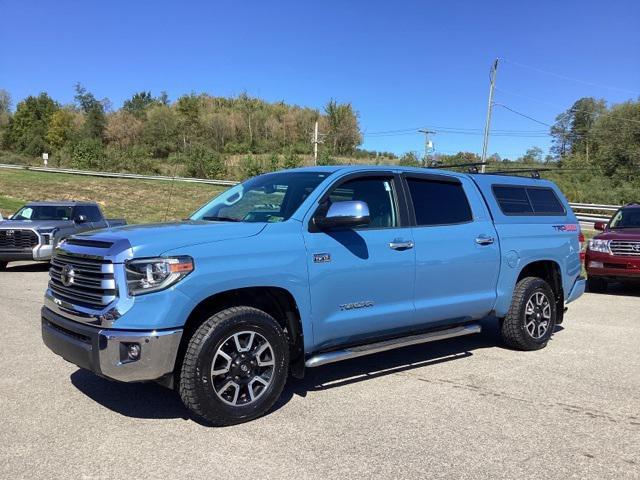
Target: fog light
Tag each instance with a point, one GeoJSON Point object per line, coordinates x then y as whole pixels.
{"type": "Point", "coordinates": [133, 351]}
{"type": "Point", "coordinates": [596, 265]}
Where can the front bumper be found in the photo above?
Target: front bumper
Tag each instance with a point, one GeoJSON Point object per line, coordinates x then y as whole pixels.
{"type": "Point", "coordinates": [105, 351]}
{"type": "Point", "coordinates": [38, 253]}
{"type": "Point", "coordinates": [612, 266]}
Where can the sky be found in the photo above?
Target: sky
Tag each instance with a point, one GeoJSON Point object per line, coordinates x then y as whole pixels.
{"type": "Point", "coordinates": [401, 64]}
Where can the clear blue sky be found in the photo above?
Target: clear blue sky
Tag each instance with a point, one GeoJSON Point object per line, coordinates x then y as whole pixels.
{"type": "Point", "coordinates": [401, 64]}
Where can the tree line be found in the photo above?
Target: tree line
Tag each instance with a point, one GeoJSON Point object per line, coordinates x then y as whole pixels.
{"type": "Point", "coordinates": [197, 130]}
{"type": "Point", "coordinates": [594, 156]}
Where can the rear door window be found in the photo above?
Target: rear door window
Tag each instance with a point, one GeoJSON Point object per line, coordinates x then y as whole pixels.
{"type": "Point", "coordinates": [439, 202]}
{"type": "Point", "coordinates": [545, 202]}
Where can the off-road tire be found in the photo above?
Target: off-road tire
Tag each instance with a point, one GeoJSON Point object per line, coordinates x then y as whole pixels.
{"type": "Point", "coordinates": [3, 266]}
{"type": "Point", "coordinates": [596, 284]}
{"type": "Point", "coordinates": [196, 385]}
{"type": "Point", "coordinates": [513, 330]}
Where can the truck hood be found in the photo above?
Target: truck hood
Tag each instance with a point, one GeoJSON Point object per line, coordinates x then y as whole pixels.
{"type": "Point", "coordinates": [154, 239]}
{"type": "Point", "coordinates": [36, 224]}
{"type": "Point", "coordinates": [620, 234]}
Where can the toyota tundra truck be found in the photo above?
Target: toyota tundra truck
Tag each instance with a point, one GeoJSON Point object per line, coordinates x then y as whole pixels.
{"type": "Point", "coordinates": [614, 254]}
{"type": "Point", "coordinates": [32, 232]}
{"type": "Point", "coordinates": [305, 267]}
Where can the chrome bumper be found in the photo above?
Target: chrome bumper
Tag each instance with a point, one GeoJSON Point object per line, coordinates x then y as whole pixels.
{"type": "Point", "coordinates": [105, 351]}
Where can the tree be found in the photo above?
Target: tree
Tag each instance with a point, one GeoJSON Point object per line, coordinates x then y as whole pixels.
{"type": "Point", "coordinates": [409, 159]}
{"type": "Point", "coordinates": [532, 155]}
{"type": "Point", "coordinates": [343, 134]}
{"type": "Point", "coordinates": [123, 129]}
{"type": "Point", "coordinates": [5, 114]}
{"type": "Point", "coordinates": [62, 129]}
{"type": "Point", "coordinates": [160, 131]}
{"type": "Point", "coordinates": [29, 125]}
{"type": "Point", "coordinates": [616, 141]}
{"type": "Point", "coordinates": [203, 162]}
{"type": "Point", "coordinates": [94, 112]}
{"type": "Point", "coordinates": [139, 102]}
{"type": "Point", "coordinates": [572, 128]}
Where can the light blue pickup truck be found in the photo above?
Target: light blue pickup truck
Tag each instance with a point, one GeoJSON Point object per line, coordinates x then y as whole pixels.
{"type": "Point", "coordinates": [304, 267]}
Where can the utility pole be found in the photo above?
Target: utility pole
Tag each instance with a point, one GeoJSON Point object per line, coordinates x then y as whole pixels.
{"type": "Point", "coordinates": [428, 145]}
{"type": "Point", "coordinates": [487, 126]}
{"type": "Point", "coordinates": [315, 144]}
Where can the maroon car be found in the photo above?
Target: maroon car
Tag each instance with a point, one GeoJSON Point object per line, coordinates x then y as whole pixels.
{"type": "Point", "coordinates": [614, 254]}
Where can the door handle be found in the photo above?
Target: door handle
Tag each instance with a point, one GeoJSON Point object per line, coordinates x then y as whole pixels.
{"type": "Point", "coordinates": [401, 244]}
{"type": "Point", "coordinates": [485, 240]}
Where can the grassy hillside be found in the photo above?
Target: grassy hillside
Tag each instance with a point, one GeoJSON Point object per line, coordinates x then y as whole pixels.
{"type": "Point", "coordinates": [139, 201]}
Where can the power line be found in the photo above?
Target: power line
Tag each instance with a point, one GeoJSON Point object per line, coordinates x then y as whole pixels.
{"type": "Point", "coordinates": [564, 77]}
{"type": "Point", "coordinates": [523, 115]}
{"type": "Point", "coordinates": [559, 106]}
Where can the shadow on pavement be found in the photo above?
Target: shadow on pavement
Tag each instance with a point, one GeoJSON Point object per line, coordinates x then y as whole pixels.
{"type": "Point", "coordinates": [621, 289]}
{"type": "Point", "coordinates": [149, 400]}
{"type": "Point", "coordinates": [27, 267]}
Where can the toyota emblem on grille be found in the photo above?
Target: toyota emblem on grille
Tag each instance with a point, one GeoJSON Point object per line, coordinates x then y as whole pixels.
{"type": "Point", "coordinates": [10, 233]}
{"type": "Point", "coordinates": [68, 275]}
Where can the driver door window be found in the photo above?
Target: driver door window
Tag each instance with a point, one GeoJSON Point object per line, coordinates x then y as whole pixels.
{"type": "Point", "coordinates": [377, 193]}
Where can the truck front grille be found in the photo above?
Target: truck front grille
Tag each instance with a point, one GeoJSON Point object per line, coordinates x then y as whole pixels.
{"type": "Point", "coordinates": [625, 248]}
{"type": "Point", "coordinates": [88, 282]}
{"type": "Point", "coordinates": [18, 239]}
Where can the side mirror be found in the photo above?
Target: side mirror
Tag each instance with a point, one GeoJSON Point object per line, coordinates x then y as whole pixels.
{"type": "Point", "coordinates": [601, 226]}
{"type": "Point", "coordinates": [347, 214]}
{"type": "Point", "coordinates": [81, 219]}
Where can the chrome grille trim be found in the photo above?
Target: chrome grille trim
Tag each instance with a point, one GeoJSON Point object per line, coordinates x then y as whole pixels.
{"type": "Point", "coordinates": [625, 248]}
{"type": "Point", "coordinates": [94, 284]}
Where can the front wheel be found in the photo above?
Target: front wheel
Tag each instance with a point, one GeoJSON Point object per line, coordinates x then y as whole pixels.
{"type": "Point", "coordinates": [235, 366]}
{"type": "Point", "coordinates": [532, 316]}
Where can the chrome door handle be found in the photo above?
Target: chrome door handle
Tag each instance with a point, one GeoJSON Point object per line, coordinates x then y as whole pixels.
{"type": "Point", "coordinates": [401, 245]}
{"type": "Point", "coordinates": [485, 240]}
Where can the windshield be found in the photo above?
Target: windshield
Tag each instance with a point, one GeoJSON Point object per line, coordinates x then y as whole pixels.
{"type": "Point", "coordinates": [626, 218]}
{"type": "Point", "coordinates": [44, 212]}
{"type": "Point", "coordinates": [267, 198]}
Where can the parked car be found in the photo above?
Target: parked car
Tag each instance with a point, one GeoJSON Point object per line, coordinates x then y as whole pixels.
{"type": "Point", "coordinates": [33, 231]}
{"type": "Point", "coordinates": [300, 268]}
{"type": "Point", "coordinates": [614, 254]}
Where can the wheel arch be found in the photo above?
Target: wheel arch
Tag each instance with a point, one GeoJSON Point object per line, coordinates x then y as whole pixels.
{"type": "Point", "coordinates": [551, 272]}
{"type": "Point", "coordinates": [278, 302]}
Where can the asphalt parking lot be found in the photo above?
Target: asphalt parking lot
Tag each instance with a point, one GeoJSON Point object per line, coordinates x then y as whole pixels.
{"type": "Point", "coordinates": [464, 408]}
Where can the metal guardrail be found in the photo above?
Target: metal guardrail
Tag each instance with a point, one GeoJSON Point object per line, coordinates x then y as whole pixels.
{"type": "Point", "coordinates": [134, 176]}
{"type": "Point", "coordinates": [589, 213]}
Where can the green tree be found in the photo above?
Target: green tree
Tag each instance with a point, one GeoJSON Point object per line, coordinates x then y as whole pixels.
{"type": "Point", "coordinates": [94, 112]}
{"type": "Point", "coordinates": [202, 162]}
{"type": "Point", "coordinates": [532, 155]}
{"type": "Point", "coordinates": [139, 102]}
{"type": "Point", "coordinates": [292, 159]}
{"type": "Point", "coordinates": [571, 131]}
{"type": "Point", "coordinates": [409, 159]}
{"type": "Point", "coordinates": [5, 115]}
{"type": "Point", "coordinates": [62, 129]}
{"type": "Point", "coordinates": [28, 127]}
{"type": "Point", "coordinates": [343, 134]}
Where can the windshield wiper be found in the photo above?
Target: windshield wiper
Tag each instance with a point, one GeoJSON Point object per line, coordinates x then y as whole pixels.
{"type": "Point", "coordinates": [221, 219]}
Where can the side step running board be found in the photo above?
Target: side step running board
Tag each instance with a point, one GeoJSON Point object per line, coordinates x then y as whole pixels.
{"type": "Point", "coordinates": [361, 351]}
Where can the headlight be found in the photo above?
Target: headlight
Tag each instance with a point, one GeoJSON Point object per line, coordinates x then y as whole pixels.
{"type": "Point", "coordinates": [153, 274]}
{"type": "Point", "coordinates": [601, 246]}
{"type": "Point", "coordinates": [47, 235]}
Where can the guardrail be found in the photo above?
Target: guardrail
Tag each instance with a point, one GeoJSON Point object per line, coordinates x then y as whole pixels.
{"type": "Point", "coordinates": [589, 213]}
{"type": "Point", "coordinates": [72, 171]}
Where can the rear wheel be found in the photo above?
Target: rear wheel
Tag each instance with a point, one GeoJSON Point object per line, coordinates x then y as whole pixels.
{"type": "Point", "coordinates": [597, 284]}
{"type": "Point", "coordinates": [3, 266]}
{"type": "Point", "coordinates": [532, 316]}
{"type": "Point", "coordinates": [235, 366]}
